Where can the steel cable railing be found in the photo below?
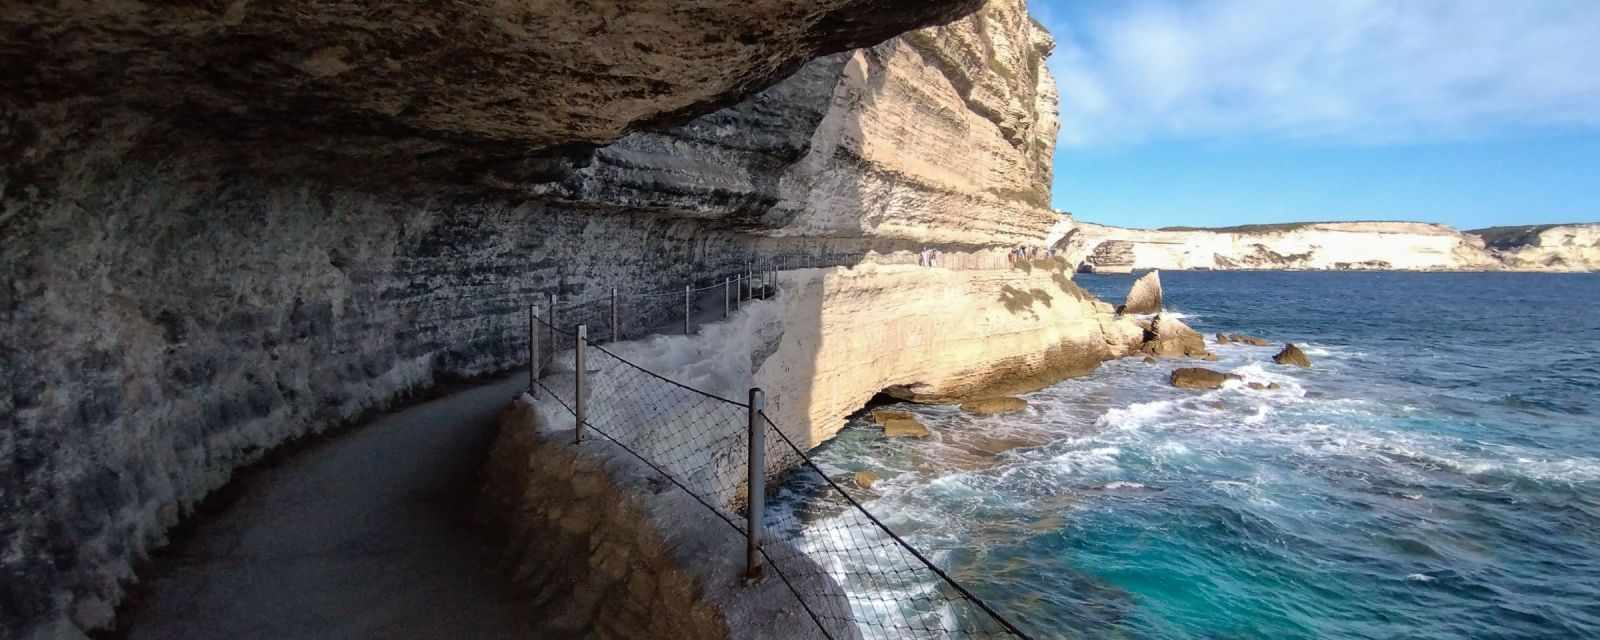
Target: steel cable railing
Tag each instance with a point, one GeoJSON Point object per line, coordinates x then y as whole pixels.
{"type": "Point", "coordinates": [845, 567]}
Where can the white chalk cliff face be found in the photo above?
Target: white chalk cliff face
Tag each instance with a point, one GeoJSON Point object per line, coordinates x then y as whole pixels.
{"type": "Point", "coordinates": [1558, 247]}
{"type": "Point", "coordinates": [942, 136]}
{"type": "Point", "coordinates": [1404, 246]}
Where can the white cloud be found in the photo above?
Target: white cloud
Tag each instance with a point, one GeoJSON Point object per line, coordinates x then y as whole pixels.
{"type": "Point", "coordinates": [1342, 71]}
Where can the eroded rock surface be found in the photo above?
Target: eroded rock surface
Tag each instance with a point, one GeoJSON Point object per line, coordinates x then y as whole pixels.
{"type": "Point", "coordinates": [1292, 355]}
{"type": "Point", "coordinates": [1145, 295]}
{"type": "Point", "coordinates": [1336, 246]}
{"type": "Point", "coordinates": [994, 406]}
{"type": "Point", "coordinates": [1199, 378]}
{"type": "Point", "coordinates": [228, 226]}
{"type": "Point", "coordinates": [1168, 337]}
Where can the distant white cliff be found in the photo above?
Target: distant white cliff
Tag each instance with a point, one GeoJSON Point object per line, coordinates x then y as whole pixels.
{"type": "Point", "coordinates": [1339, 246]}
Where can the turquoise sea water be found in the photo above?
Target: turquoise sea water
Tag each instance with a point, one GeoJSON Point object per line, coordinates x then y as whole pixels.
{"type": "Point", "coordinates": [1436, 474]}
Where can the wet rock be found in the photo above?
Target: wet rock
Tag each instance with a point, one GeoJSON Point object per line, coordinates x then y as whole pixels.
{"type": "Point", "coordinates": [1222, 339]}
{"type": "Point", "coordinates": [1149, 360]}
{"type": "Point", "coordinates": [1270, 386]}
{"type": "Point", "coordinates": [1198, 378]}
{"type": "Point", "coordinates": [1292, 355]}
{"type": "Point", "coordinates": [899, 424]}
{"type": "Point", "coordinates": [1169, 337]}
{"type": "Point", "coordinates": [904, 428]}
{"type": "Point", "coordinates": [864, 479]}
{"type": "Point", "coordinates": [1247, 339]}
{"type": "Point", "coordinates": [1145, 296]}
{"type": "Point", "coordinates": [993, 406]}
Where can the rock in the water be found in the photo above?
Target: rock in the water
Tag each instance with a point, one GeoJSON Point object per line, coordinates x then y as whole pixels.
{"type": "Point", "coordinates": [1246, 339]}
{"type": "Point", "coordinates": [1222, 339]}
{"type": "Point", "coordinates": [881, 417]}
{"type": "Point", "coordinates": [904, 428]}
{"type": "Point", "coordinates": [1149, 360]}
{"type": "Point", "coordinates": [992, 406]}
{"type": "Point", "coordinates": [1270, 386]}
{"type": "Point", "coordinates": [1208, 357]}
{"type": "Point", "coordinates": [864, 479]}
{"type": "Point", "coordinates": [1145, 296]}
{"type": "Point", "coordinates": [1292, 355]}
{"type": "Point", "coordinates": [1198, 378]}
{"type": "Point", "coordinates": [899, 424]}
{"type": "Point", "coordinates": [1169, 337]}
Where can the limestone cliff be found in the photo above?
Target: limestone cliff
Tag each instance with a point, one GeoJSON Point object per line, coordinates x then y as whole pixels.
{"type": "Point", "coordinates": [228, 225]}
{"type": "Point", "coordinates": [1550, 247]}
{"type": "Point", "coordinates": [1406, 246]}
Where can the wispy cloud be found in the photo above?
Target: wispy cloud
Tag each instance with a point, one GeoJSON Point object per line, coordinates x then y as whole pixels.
{"type": "Point", "coordinates": [1340, 71]}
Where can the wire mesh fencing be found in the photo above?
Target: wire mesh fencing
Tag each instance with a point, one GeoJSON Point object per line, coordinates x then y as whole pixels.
{"type": "Point", "coordinates": [851, 574]}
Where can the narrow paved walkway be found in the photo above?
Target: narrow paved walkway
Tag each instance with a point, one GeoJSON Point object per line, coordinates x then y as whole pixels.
{"type": "Point", "coordinates": [366, 535]}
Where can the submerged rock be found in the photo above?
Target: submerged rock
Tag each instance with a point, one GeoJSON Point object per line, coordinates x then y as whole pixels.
{"type": "Point", "coordinates": [899, 424]}
{"type": "Point", "coordinates": [904, 428]}
{"type": "Point", "coordinates": [864, 479]}
{"type": "Point", "coordinates": [993, 406]}
{"type": "Point", "coordinates": [1222, 339]}
{"type": "Point", "coordinates": [1198, 378]}
{"type": "Point", "coordinates": [1292, 355]}
{"type": "Point", "coordinates": [1145, 296]}
{"type": "Point", "coordinates": [1247, 339]}
{"type": "Point", "coordinates": [1270, 386]}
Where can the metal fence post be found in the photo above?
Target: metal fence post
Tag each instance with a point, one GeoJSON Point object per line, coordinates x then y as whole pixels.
{"type": "Point", "coordinates": [686, 310]}
{"type": "Point", "coordinates": [533, 351]}
{"type": "Point", "coordinates": [727, 293]}
{"type": "Point", "coordinates": [577, 382]}
{"type": "Point", "coordinates": [616, 329]}
{"type": "Point", "coordinates": [551, 319]}
{"type": "Point", "coordinates": [756, 504]}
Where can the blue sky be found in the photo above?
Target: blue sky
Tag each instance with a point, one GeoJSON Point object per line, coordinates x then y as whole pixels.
{"type": "Point", "coordinates": [1468, 112]}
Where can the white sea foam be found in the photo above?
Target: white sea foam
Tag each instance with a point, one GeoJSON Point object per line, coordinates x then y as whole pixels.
{"type": "Point", "coordinates": [1113, 486]}
{"type": "Point", "coordinates": [1417, 577]}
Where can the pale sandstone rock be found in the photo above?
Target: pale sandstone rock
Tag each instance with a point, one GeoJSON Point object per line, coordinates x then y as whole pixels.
{"type": "Point", "coordinates": [1169, 337]}
{"type": "Point", "coordinates": [905, 428]}
{"type": "Point", "coordinates": [927, 336]}
{"type": "Point", "coordinates": [1145, 295]}
{"type": "Point", "coordinates": [994, 406]}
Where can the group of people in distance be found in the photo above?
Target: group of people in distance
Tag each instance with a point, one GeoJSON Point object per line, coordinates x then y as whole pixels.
{"type": "Point", "coordinates": [928, 257]}
{"type": "Point", "coordinates": [1020, 253]}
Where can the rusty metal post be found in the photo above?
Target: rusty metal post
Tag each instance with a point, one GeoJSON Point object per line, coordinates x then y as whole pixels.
{"type": "Point", "coordinates": [756, 490]}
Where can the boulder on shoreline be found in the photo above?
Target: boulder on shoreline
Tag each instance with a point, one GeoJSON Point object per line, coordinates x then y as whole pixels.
{"type": "Point", "coordinates": [994, 406]}
{"type": "Point", "coordinates": [1198, 378]}
{"type": "Point", "coordinates": [1144, 296]}
{"type": "Point", "coordinates": [1168, 337]}
{"type": "Point", "coordinates": [1292, 355]}
{"type": "Point", "coordinates": [899, 424]}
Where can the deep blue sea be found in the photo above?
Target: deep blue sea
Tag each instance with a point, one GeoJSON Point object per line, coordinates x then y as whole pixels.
{"type": "Point", "coordinates": [1435, 474]}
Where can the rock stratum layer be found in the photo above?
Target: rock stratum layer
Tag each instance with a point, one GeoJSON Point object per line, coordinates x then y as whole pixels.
{"type": "Point", "coordinates": [1403, 246]}
{"type": "Point", "coordinates": [228, 226]}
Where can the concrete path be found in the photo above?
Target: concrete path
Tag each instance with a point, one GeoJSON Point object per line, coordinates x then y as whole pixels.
{"type": "Point", "coordinates": [366, 535]}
